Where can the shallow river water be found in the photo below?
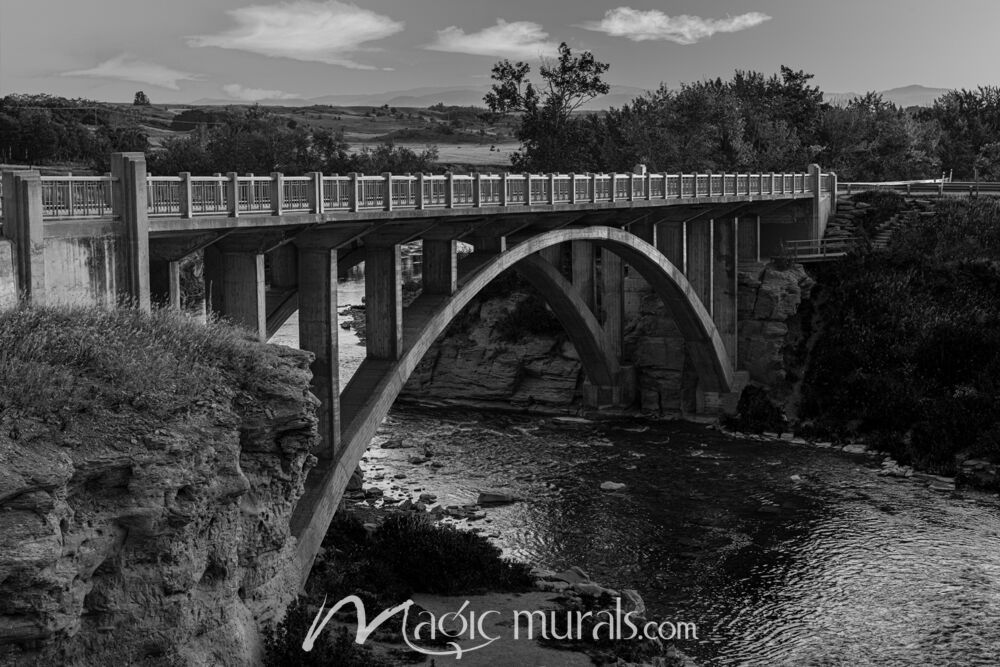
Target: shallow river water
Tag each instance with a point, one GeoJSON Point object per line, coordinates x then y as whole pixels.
{"type": "Point", "coordinates": [782, 554]}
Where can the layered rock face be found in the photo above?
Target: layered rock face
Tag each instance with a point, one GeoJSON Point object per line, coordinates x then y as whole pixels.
{"type": "Point", "coordinates": [769, 300]}
{"type": "Point", "coordinates": [124, 545]}
{"type": "Point", "coordinates": [476, 365]}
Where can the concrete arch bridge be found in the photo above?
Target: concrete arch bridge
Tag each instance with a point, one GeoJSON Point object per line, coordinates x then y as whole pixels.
{"type": "Point", "coordinates": [274, 244]}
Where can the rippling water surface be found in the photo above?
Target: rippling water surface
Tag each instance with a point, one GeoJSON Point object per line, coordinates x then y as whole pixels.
{"type": "Point", "coordinates": [782, 554]}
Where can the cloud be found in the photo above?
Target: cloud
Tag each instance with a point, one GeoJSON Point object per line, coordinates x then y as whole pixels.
{"type": "Point", "coordinates": [127, 68]}
{"type": "Point", "coordinates": [238, 92]}
{"type": "Point", "coordinates": [326, 32]}
{"type": "Point", "coordinates": [520, 39]}
{"type": "Point", "coordinates": [639, 25]}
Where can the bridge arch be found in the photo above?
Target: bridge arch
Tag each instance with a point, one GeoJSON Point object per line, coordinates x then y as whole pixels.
{"type": "Point", "coordinates": [369, 395]}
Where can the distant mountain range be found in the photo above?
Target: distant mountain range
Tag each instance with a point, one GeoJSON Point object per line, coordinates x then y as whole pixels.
{"type": "Point", "coordinates": [906, 96]}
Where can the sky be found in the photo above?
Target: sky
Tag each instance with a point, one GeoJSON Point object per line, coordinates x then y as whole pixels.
{"type": "Point", "coordinates": [185, 50]}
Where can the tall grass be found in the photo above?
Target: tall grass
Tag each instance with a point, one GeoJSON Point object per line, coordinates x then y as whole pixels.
{"type": "Point", "coordinates": [74, 360]}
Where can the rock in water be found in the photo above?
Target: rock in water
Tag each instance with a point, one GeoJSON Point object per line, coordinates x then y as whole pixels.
{"type": "Point", "coordinates": [612, 486]}
{"type": "Point", "coordinates": [497, 498]}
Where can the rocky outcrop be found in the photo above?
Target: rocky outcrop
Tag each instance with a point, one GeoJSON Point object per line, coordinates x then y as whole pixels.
{"type": "Point", "coordinates": [123, 544]}
{"type": "Point", "coordinates": [474, 363]}
{"type": "Point", "coordinates": [656, 348]}
{"type": "Point", "coordinates": [769, 300]}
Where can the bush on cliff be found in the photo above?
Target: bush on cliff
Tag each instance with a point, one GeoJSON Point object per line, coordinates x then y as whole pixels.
{"type": "Point", "coordinates": [909, 352]}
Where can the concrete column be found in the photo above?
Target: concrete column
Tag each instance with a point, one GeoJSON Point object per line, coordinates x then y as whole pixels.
{"type": "Point", "coordinates": [22, 193]}
{"type": "Point", "coordinates": [174, 279]}
{"type": "Point", "coordinates": [583, 270]}
{"type": "Point", "coordinates": [612, 299]}
{"type": "Point", "coordinates": [318, 334]}
{"type": "Point", "coordinates": [440, 266]}
{"type": "Point", "coordinates": [553, 255]}
{"type": "Point", "coordinates": [724, 287]}
{"type": "Point", "coordinates": [383, 302]}
{"type": "Point", "coordinates": [698, 267]}
{"type": "Point", "coordinates": [749, 239]}
{"type": "Point", "coordinates": [212, 273]}
{"type": "Point", "coordinates": [671, 240]}
{"type": "Point", "coordinates": [645, 230]}
{"type": "Point", "coordinates": [284, 266]}
{"type": "Point", "coordinates": [492, 244]}
{"type": "Point", "coordinates": [243, 291]}
{"type": "Point", "coordinates": [130, 170]}
{"type": "Point", "coordinates": [821, 205]}
{"type": "Point", "coordinates": [159, 281]}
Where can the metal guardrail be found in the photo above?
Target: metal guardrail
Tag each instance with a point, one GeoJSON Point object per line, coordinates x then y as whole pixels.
{"type": "Point", "coordinates": [933, 187]}
{"type": "Point", "coordinates": [818, 249]}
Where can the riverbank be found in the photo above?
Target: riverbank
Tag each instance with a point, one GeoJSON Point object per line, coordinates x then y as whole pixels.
{"type": "Point", "coordinates": [457, 579]}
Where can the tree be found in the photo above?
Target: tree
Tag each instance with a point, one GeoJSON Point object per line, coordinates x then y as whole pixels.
{"type": "Point", "coordinates": [141, 100]}
{"type": "Point", "coordinates": [552, 139]}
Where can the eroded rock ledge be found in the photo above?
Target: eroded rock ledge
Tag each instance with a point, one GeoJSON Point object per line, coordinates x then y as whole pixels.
{"type": "Point", "coordinates": [121, 543]}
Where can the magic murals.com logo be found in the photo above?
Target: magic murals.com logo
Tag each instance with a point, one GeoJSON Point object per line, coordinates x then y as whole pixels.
{"type": "Point", "coordinates": [473, 626]}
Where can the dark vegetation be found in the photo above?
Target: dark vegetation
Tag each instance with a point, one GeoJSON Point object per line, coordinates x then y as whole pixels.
{"type": "Point", "coordinates": [407, 554]}
{"type": "Point", "coordinates": [757, 413]}
{"type": "Point", "coordinates": [752, 122]}
{"type": "Point", "coordinates": [909, 353]}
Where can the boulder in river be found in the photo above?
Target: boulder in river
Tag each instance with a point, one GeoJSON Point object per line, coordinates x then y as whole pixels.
{"type": "Point", "coordinates": [497, 498]}
{"type": "Point", "coordinates": [612, 486]}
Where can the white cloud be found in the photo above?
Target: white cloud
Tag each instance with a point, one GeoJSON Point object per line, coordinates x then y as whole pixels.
{"type": "Point", "coordinates": [639, 25]}
{"type": "Point", "coordinates": [127, 68]}
{"type": "Point", "coordinates": [238, 92]}
{"type": "Point", "coordinates": [326, 32]}
{"type": "Point", "coordinates": [520, 39]}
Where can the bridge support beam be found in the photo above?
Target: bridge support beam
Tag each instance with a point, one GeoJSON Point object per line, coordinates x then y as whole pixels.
{"type": "Point", "coordinates": [748, 244]}
{"type": "Point", "coordinates": [317, 278]}
{"type": "Point", "coordinates": [165, 282]}
{"type": "Point", "coordinates": [645, 229]}
{"type": "Point", "coordinates": [612, 299]}
{"type": "Point", "coordinates": [440, 266]}
{"type": "Point", "coordinates": [724, 285]}
{"type": "Point", "coordinates": [22, 206]}
{"type": "Point", "coordinates": [583, 270]}
{"type": "Point", "coordinates": [553, 255]}
{"type": "Point", "coordinates": [383, 302]}
{"type": "Point", "coordinates": [671, 240]}
{"type": "Point", "coordinates": [284, 266]}
{"type": "Point", "coordinates": [130, 203]}
{"type": "Point", "coordinates": [243, 291]}
{"type": "Point", "coordinates": [699, 265]}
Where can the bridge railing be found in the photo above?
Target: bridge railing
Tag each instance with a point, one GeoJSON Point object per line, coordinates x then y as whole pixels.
{"type": "Point", "coordinates": [927, 187]}
{"type": "Point", "coordinates": [77, 197]}
{"type": "Point", "coordinates": [186, 196]}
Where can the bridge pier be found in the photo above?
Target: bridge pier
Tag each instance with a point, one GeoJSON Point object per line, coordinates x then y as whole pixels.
{"type": "Point", "coordinates": [582, 271]}
{"type": "Point", "coordinates": [671, 240]}
{"type": "Point", "coordinates": [317, 279]}
{"type": "Point", "coordinates": [383, 302]}
{"type": "Point", "coordinates": [243, 291]}
{"type": "Point", "coordinates": [698, 263]}
{"type": "Point", "coordinates": [440, 266]}
{"type": "Point", "coordinates": [724, 280]}
{"type": "Point", "coordinates": [612, 300]}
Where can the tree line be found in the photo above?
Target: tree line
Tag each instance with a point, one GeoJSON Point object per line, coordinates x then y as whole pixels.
{"type": "Point", "coordinates": [750, 122]}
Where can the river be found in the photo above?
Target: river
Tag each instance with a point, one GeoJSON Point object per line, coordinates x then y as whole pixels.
{"type": "Point", "coordinates": [782, 554]}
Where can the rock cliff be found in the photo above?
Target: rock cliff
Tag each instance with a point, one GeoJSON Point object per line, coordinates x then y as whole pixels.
{"type": "Point", "coordinates": [474, 363]}
{"type": "Point", "coordinates": [126, 539]}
